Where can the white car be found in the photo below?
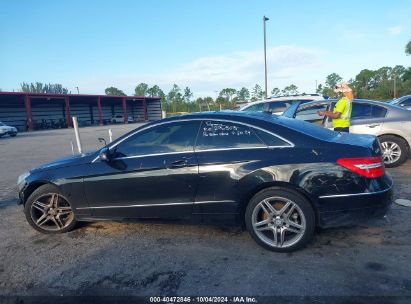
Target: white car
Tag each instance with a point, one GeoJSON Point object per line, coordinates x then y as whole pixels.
{"type": "Point", "coordinates": [390, 123]}
{"type": "Point", "coordinates": [120, 119]}
{"type": "Point", "coordinates": [7, 130]}
{"type": "Point", "coordinates": [277, 105]}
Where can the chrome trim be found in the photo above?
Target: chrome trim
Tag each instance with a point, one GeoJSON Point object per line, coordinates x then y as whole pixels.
{"type": "Point", "coordinates": [213, 202]}
{"type": "Point", "coordinates": [368, 166]}
{"type": "Point", "coordinates": [290, 144]}
{"type": "Point", "coordinates": [357, 194]}
{"type": "Point", "coordinates": [154, 154]}
{"type": "Point", "coordinates": [153, 205]}
{"type": "Point", "coordinates": [241, 148]}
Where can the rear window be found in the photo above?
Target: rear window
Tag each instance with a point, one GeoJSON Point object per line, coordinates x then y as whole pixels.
{"type": "Point", "coordinates": [269, 139]}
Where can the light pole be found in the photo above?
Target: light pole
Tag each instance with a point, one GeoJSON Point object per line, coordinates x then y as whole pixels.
{"type": "Point", "coordinates": [395, 88]}
{"type": "Point", "coordinates": [265, 57]}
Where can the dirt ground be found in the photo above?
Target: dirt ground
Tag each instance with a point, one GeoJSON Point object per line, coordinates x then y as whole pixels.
{"type": "Point", "coordinates": [111, 258]}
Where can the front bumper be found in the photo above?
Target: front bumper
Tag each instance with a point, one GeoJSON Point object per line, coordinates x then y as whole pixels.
{"type": "Point", "coordinates": [8, 133]}
{"type": "Point", "coordinates": [361, 207]}
{"type": "Point", "coordinates": [21, 197]}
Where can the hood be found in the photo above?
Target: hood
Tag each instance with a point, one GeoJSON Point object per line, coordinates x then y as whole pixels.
{"type": "Point", "coordinates": [67, 161]}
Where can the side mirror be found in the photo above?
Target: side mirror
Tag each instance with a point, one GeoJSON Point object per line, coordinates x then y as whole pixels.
{"type": "Point", "coordinates": [105, 154]}
{"type": "Point", "coordinates": [101, 139]}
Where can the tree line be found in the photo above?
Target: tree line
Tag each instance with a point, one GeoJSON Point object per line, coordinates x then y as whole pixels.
{"type": "Point", "coordinates": [382, 84]}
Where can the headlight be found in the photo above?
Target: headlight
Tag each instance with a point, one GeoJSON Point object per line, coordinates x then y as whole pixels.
{"type": "Point", "coordinates": [22, 177]}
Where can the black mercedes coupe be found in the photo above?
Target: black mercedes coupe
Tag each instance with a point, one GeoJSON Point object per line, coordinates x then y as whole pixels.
{"type": "Point", "coordinates": [278, 177]}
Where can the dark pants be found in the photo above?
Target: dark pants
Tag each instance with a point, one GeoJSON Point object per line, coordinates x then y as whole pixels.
{"type": "Point", "coordinates": [347, 129]}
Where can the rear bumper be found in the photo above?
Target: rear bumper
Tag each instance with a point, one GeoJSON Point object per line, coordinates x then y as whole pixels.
{"type": "Point", "coordinates": [360, 207]}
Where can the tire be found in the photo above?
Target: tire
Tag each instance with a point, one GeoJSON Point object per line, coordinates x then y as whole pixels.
{"type": "Point", "coordinates": [280, 228]}
{"type": "Point", "coordinates": [48, 211]}
{"type": "Point", "coordinates": [13, 135]}
{"type": "Point", "coordinates": [394, 149]}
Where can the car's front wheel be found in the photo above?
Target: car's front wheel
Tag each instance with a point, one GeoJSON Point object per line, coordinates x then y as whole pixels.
{"type": "Point", "coordinates": [48, 211]}
{"type": "Point", "coordinates": [394, 150]}
{"type": "Point", "coordinates": [280, 219]}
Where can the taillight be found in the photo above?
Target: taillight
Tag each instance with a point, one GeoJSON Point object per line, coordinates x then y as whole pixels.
{"type": "Point", "coordinates": [370, 167]}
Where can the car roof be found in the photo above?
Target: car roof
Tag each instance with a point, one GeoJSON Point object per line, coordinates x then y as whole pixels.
{"type": "Point", "coordinates": [285, 98]}
{"type": "Point", "coordinates": [399, 99]}
{"type": "Point", "coordinates": [226, 114]}
{"type": "Point", "coordinates": [356, 100]}
{"type": "Point", "coordinates": [292, 130]}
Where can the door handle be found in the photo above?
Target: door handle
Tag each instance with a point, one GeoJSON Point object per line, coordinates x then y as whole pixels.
{"type": "Point", "coordinates": [178, 163]}
{"type": "Point", "coordinates": [373, 125]}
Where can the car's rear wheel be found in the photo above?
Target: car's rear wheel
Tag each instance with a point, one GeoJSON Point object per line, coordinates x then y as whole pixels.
{"type": "Point", "coordinates": [48, 211]}
{"type": "Point", "coordinates": [394, 150]}
{"type": "Point", "coordinates": [280, 219]}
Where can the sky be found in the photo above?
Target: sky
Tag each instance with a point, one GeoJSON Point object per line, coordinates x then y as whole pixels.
{"type": "Point", "coordinates": [206, 45]}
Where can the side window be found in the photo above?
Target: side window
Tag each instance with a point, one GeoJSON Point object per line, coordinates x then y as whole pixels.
{"type": "Point", "coordinates": [278, 106]}
{"type": "Point", "coordinates": [378, 112]}
{"type": "Point", "coordinates": [360, 111]}
{"type": "Point", "coordinates": [269, 139]}
{"type": "Point", "coordinates": [225, 135]}
{"type": "Point", "coordinates": [255, 108]}
{"type": "Point", "coordinates": [310, 114]}
{"type": "Point", "coordinates": [164, 138]}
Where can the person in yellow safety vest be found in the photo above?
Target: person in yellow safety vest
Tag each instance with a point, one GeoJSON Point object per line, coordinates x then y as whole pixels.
{"type": "Point", "coordinates": [342, 111]}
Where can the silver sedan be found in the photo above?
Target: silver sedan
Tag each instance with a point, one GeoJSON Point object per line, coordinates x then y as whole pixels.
{"type": "Point", "coordinates": [392, 124]}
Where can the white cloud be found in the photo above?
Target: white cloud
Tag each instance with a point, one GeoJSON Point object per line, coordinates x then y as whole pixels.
{"type": "Point", "coordinates": [395, 30]}
{"type": "Point", "coordinates": [286, 64]}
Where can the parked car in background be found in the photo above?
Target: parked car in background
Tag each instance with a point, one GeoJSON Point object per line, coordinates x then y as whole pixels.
{"type": "Point", "coordinates": [277, 105]}
{"type": "Point", "coordinates": [7, 130]}
{"type": "Point", "coordinates": [390, 123]}
{"type": "Point", "coordinates": [404, 101]}
{"type": "Point", "coordinates": [277, 176]}
{"type": "Point", "coordinates": [120, 119]}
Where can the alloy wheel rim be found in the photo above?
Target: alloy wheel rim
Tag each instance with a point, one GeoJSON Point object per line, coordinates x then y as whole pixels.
{"type": "Point", "coordinates": [391, 152]}
{"type": "Point", "coordinates": [278, 222]}
{"type": "Point", "coordinates": [51, 212]}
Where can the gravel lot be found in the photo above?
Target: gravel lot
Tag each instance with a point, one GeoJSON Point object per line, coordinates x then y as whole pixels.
{"type": "Point", "coordinates": [110, 258]}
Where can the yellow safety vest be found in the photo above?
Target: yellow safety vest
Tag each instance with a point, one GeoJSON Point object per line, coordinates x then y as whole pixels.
{"type": "Point", "coordinates": [344, 106]}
